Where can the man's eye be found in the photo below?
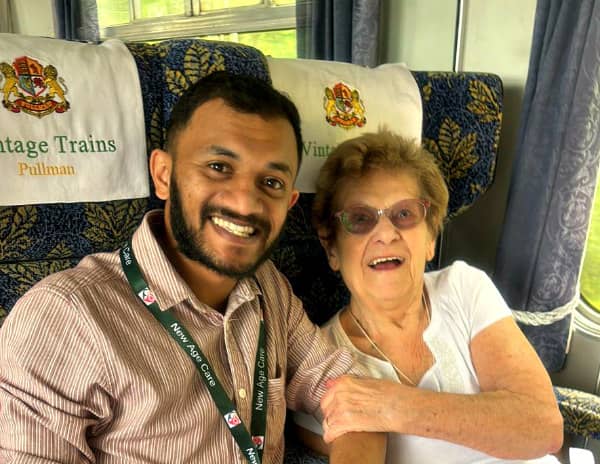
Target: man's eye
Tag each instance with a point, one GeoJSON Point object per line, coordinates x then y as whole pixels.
{"type": "Point", "coordinates": [219, 167]}
{"type": "Point", "coordinates": [273, 183]}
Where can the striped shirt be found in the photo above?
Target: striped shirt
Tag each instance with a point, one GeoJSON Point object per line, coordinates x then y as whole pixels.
{"type": "Point", "coordinates": [88, 375]}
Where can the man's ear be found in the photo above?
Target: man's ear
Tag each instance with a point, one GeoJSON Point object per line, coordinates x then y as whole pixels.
{"type": "Point", "coordinates": [161, 166]}
{"type": "Point", "coordinates": [294, 198]}
{"type": "Point", "coordinates": [330, 250]}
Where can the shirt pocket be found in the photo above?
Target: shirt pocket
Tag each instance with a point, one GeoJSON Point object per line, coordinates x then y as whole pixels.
{"type": "Point", "coordinates": [276, 411]}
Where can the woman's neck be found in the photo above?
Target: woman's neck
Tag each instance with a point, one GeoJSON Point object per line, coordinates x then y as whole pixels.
{"type": "Point", "coordinates": [377, 317]}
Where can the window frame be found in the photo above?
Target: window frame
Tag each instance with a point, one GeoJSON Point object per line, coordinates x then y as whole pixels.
{"type": "Point", "coordinates": [257, 18]}
{"type": "Point", "coordinates": [587, 319]}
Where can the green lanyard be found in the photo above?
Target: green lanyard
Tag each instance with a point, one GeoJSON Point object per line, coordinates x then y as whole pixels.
{"type": "Point", "coordinates": [251, 445]}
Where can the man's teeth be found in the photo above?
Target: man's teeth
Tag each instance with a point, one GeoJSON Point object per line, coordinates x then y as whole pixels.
{"type": "Point", "coordinates": [377, 261]}
{"type": "Point", "coordinates": [235, 229]}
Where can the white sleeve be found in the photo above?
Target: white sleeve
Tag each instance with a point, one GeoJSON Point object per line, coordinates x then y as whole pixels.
{"type": "Point", "coordinates": [308, 422]}
{"type": "Point", "coordinates": [482, 300]}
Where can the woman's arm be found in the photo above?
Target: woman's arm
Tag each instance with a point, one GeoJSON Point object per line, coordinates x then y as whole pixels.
{"type": "Point", "coordinates": [514, 417]}
{"type": "Point", "coordinates": [371, 448]}
{"type": "Point", "coordinates": [311, 440]}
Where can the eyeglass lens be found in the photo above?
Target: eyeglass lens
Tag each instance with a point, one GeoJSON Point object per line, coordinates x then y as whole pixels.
{"type": "Point", "coordinates": [361, 219]}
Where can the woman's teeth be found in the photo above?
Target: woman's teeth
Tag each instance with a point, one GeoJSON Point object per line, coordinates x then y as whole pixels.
{"type": "Point", "coordinates": [388, 259]}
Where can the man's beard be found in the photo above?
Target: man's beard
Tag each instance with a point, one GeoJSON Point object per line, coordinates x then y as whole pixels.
{"type": "Point", "coordinates": [191, 244]}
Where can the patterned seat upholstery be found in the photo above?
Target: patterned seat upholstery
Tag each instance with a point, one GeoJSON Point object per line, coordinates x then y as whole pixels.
{"type": "Point", "coordinates": [580, 411]}
{"type": "Point", "coordinates": [462, 120]}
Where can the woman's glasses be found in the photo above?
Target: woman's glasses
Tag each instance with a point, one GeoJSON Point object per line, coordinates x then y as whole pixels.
{"type": "Point", "coordinates": [361, 219]}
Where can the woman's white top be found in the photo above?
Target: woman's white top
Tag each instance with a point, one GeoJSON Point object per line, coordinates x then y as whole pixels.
{"type": "Point", "coordinates": [463, 302]}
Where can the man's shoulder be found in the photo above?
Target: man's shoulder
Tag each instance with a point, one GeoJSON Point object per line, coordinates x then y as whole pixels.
{"type": "Point", "coordinates": [273, 284]}
{"type": "Point", "coordinates": [268, 272]}
{"type": "Point", "coordinates": [68, 298]}
{"type": "Point", "coordinates": [92, 270]}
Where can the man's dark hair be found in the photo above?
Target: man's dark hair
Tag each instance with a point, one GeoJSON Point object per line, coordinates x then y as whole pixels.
{"type": "Point", "coordinates": [243, 93]}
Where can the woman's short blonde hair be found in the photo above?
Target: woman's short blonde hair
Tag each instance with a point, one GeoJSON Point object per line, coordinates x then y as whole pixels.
{"type": "Point", "coordinates": [386, 151]}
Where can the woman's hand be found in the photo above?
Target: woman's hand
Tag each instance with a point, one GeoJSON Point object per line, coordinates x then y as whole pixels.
{"type": "Point", "coordinates": [355, 404]}
{"type": "Point", "coordinates": [514, 416]}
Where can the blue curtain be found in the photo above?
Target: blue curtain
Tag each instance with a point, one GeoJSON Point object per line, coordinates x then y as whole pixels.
{"type": "Point", "coordinates": [77, 20]}
{"type": "Point", "coordinates": [338, 30]}
{"type": "Point", "coordinates": [5, 16]}
{"type": "Point", "coordinates": [554, 173]}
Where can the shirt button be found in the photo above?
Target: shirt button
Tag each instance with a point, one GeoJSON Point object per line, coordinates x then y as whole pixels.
{"type": "Point", "coordinates": [242, 393]}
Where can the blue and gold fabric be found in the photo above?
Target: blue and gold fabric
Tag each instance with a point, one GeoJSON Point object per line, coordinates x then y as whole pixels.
{"type": "Point", "coordinates": [580, 411]}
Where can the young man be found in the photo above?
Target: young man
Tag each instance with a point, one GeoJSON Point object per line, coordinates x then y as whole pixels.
{"type": "Point", "coordinates": [187, 345]}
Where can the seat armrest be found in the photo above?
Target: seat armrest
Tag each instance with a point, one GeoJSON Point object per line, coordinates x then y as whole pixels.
{"type": "Point", "coordinates": [580, 411]}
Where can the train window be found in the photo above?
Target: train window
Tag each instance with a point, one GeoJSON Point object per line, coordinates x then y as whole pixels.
{"type": "Point", "coordinates": [269, 25]}
{"type": "Point", "coordinates": [590, 274]}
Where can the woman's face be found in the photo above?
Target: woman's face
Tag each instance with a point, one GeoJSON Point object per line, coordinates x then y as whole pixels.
{"type": "Point", "coordinates": [386, 263]}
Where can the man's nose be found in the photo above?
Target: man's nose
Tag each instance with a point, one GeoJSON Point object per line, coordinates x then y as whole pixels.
{"type": "Point", "coordinates": [244, 197]}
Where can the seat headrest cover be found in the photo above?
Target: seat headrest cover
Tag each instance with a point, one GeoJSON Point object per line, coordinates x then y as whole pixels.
{"type": "Point", "coordinates": [71, 122]}
{"type": "Point", "coordinates": [339, 101]}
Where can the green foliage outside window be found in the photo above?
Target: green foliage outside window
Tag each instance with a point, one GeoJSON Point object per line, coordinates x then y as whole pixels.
{"type": "Point", "coordinates": [276, 43]}
{"type": "Point", "coordinates": [156, 9]}
{"type": "Point", "coordinates": [208, 5]}
{"type": "Point", "coordinates": [112, 12]}
{"type": "Point", "coordinates": [115, 12]}
{"type": "Point", "coordinates": [590, 275]}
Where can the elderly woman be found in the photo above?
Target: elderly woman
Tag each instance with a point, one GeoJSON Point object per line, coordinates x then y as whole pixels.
{"type": "Point", "coordinates": [454, 379]}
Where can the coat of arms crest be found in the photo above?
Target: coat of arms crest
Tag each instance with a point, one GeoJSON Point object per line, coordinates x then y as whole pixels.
{"type": "Point", "coordinates": [343, 106]}
{"type": "Point", "coordinates": [28, 86]}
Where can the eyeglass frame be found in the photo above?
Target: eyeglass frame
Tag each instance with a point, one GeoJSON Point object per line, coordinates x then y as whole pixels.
{"type": "Point", "coordinates": [426, 204]}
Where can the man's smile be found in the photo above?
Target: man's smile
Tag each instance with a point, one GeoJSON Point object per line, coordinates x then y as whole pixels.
{"type": "Point", "coordinates": [232, 228]}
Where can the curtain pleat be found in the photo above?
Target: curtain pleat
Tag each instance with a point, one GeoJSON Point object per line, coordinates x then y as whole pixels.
{"type": "Point", "coordinates": [338, 30]}
{"type": "Point", "coordinates": [554, 173]}
{"type": "Point", "coordinates": [77, 20]}
{"type": "Point", "coordinates": [5, 16]}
